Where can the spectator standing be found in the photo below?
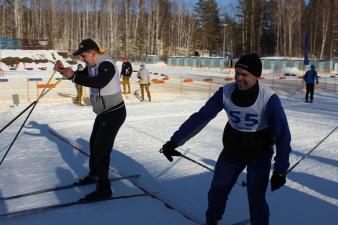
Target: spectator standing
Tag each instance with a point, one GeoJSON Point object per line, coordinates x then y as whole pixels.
{"type": "Point", "coordinates": [144, 76]}
{"type": "Point", "coordinates": [126, 72]}
{"type": "Point", "coordinates": [79, 88]}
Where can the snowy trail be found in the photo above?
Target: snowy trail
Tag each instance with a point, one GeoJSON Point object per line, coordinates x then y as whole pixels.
{"type": "Point", "coordinates": [38, 160]}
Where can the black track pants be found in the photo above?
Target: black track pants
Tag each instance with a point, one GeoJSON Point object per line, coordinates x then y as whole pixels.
{"type": "Point", "coordinates": [102, 139]}
{"type": "Point", "coordinates": [309, 90]}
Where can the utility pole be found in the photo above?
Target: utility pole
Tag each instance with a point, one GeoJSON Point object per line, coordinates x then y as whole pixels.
{"type": "Point", "coordinates": [224, 25]}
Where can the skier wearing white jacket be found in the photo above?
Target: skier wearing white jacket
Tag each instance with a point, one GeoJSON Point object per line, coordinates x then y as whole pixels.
{"type": "Point", "coordinates": [144, 76]}
{"type": "Point", "coordinates": [102, 76]}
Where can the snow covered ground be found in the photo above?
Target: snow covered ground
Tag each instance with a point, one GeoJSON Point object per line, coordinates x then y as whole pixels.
{"type": "Point", "coordinates": [40, 160]}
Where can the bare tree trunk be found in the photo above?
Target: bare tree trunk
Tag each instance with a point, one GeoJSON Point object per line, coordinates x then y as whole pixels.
{"type": "Point", "coordinates": [252, 26]}
{"type": "Point", "coordinates": [127, 15]}
{"type": "Point", "coordinates": [157, 13]}
{"type": "Point", "coordinates": [326, 7]}
{"type": "Point", "coordinates": [191, 30]}
{"type": "Point", "coordinates": [315, 30]}
{"type": "Point", "coordinates": [243, 34]}
{"type": "Point", "coordinates": [291, 19]}
{"type": "Point", "coordinates": [299, 20]}
{"type": "Point", "coordinates": [17, 11]}
{"type": "Point", "coordinates": [279, 28]}
{"type": "Point", "coordinates": [138, 10]}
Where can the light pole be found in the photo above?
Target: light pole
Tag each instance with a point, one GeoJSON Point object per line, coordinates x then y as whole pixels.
{"type": "Point", "coordinates": [224, 25]}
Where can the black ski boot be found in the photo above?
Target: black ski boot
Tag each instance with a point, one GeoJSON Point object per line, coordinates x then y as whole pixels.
{"type": "Point", "coordinates": [89, 179]}
{"type": "Point", "coordinates": [103, 191]}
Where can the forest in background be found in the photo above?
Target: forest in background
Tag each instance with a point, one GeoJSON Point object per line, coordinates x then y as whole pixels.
{"type": "Point", "coordinates": [176, 27]}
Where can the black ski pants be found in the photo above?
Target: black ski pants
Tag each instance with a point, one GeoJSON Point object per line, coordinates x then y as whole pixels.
{"type": "Point", "coordinates": [226, 173]}
{"type": "Point", "coordinates": [102, 139]}
{"type": "Point", "coordinates": [309, 90]}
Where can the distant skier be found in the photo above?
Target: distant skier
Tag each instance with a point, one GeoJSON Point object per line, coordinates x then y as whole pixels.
{"type": "Point", "coordinates": [144, 76]}
{"type": "Point", "coordinates": [126, 72]}
{"type": "Point", "coordinates": [309, 78]}
{"type": "Point", "coordinates": [102, 76]}
{"type": "Point", "coordinates": [79, 88]}
{"type": "Point", "coordinates": [256, 121]}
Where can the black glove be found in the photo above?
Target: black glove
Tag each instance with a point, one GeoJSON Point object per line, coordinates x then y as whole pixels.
{"type": "Point", "coordinates": [277, 180]}
{"type": "Point", "coordinates": [168, 150]}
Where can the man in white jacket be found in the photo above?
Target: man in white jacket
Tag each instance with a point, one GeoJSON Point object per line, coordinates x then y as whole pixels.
{"type": "Point", "coordinates": [144, 76]}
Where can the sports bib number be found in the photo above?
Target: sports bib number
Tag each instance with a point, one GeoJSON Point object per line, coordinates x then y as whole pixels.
{"type": "Point", "coordinates": [244, 119]}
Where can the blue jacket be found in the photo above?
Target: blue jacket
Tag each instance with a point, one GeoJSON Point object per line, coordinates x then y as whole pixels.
{"type": "Point", "coordinates": [275, 115]}
{"type": "Point", "coordinates": [310, 77]}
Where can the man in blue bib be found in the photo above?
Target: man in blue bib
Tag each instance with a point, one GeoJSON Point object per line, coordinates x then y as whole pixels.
{"type": "Point", "coordinates": [256, 121]}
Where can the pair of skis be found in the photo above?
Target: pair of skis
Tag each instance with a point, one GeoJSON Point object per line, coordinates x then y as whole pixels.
{"type": "Point", "coordinates": [146, 193]}
{"type": "Point", "coordinates": [150, 194]}
{"type": "Point", "coordinates": [61, 205]}
{"type": "Point", "coordinates": [62, 187]}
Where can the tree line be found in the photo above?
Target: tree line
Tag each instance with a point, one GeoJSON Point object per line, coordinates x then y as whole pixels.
{"type": "Point", "coordinates": [176, 27]}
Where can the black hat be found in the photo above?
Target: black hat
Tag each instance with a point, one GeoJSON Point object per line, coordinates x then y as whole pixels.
{"type": "Point", "coordinates": [85, 45]}
{"type": "Point", "coordinates": [251, 63]}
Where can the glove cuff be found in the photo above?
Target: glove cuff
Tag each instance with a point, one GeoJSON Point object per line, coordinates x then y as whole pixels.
{"type": "Point", "coordinates": [172, 144]}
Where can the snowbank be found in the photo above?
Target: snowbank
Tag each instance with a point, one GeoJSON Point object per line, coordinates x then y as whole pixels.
{"type": "Point", "coordinates": [50, 55]}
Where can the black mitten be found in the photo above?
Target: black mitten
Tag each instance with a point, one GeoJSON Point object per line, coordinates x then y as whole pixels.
{"type": "Point", "coordinates": [168, 150]}
{"type": "Point", "coordinates": [277, 180]}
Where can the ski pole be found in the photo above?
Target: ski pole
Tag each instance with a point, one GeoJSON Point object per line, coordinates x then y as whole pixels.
{"type": "Point", "coordinates": [17, 134]}
{"type": "Point", "coordinates": [38, 98]}
{"type": "Point", "coordinates": [243, 184]}
{"type": "Point", "coordinates": [46, 92]}
{"type": "Point", "coordinates": [42, 93]}
{"type": "Point", "coordinates": [293, 93]}
{"type": "Point", "coordinates": [309, 152]}
{"type": "Point", "coordinates": [17, 116]}
{"type": "Point", "coordinates": [306, 155]}
{"type": "Point", "coordinates": [198, 163]}
{"type": "Point", "coordinates": [190, 159]}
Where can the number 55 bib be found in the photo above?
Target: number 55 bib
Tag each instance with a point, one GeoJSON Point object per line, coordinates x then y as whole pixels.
{"type": "Point", "coordinates": [247, 119]}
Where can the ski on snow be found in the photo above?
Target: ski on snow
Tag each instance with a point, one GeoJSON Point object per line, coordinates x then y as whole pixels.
{"type": "Point", "coordinates": [64, 139]}
{"type": "Point", "coordinates": [62, 205]}
{"type": "Point", "coordinates": [153, 195]}
{"type": "Point", "coordinates": [62, 187]}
